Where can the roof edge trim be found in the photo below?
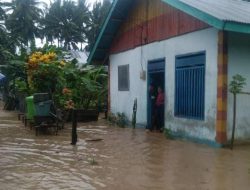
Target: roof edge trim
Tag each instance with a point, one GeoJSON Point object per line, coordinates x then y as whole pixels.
{"type": "Point", "coordinates": [236, 27]}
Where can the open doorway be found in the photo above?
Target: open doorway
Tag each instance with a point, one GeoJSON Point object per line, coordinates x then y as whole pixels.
{"type": "Point", "coordinates": [156, 80]}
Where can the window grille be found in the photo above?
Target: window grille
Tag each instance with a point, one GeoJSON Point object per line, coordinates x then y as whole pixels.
{"type": "Point", "coordinates": [190, 86]}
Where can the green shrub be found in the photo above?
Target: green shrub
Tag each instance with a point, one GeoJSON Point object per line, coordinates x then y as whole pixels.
{"type": "Point", "coordinates": [118, 119]}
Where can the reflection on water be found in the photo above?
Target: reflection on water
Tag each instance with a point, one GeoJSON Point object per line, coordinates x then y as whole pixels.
{"type": "Point", "coordinates": [125, 159]}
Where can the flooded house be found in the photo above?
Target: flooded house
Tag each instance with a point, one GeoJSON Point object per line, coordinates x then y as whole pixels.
{"type": "Point", "coordinates": [191, 48]}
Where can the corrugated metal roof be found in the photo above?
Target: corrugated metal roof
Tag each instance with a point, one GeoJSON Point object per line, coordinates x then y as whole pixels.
{"type": "Point", "coordinates": [228, 15]}
{"type": "Point", "coordinates": [226, 10]}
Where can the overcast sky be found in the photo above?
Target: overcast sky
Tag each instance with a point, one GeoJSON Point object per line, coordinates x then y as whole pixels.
{"type": "Point", "coordinates": [48, 1]}
{"type": "Point", "coordinates": [88, 1]}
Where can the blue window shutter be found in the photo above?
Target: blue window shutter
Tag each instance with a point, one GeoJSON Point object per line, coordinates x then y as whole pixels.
{"type": "Point", "coordinates": [190, 86]}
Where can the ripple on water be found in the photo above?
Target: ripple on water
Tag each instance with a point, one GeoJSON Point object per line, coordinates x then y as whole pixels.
{"type": "Point", "coordinates": [124, 159]}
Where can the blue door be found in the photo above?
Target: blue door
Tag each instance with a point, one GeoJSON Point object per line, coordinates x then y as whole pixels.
{"type": "Point", "coordinates": [156, 78]}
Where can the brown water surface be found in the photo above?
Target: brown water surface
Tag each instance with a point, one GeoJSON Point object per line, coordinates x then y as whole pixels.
{"type": "Point", "coordinates": [125, 159]}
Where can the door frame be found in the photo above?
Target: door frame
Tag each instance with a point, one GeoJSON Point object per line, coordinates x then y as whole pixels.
{"type": "Point", "coordinates": [154, 66]}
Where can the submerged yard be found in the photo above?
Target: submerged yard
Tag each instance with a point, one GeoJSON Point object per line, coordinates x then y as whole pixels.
{"type": "Point", "coordinates": [121, 159]}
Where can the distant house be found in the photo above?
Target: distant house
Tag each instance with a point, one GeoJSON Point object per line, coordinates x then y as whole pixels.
{"type": "Point", "coordinates": [190, 47]}
{"type": "Point", "coordinates": [80, 56]}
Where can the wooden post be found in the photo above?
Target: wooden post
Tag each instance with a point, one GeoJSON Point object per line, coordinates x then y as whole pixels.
{"type": "Point", "coordinates": [134, 113]}
{"type": "Point", "coordinates": [74, 127]}
{"type": "Point", "coordinates": [234, 121]}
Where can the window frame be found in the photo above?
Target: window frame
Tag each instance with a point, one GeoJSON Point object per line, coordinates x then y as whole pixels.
{"type": "Point", "coordinates": [122, 87]}
{"type": "Point", "coordinates": [202, 116]}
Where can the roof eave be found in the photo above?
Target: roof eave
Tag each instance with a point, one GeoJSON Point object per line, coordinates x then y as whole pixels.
{"type": "Point", "coordinates": [237, 27]}
{"type": "Point", "coordinates": [89, 60]}
{"type": "Point", "coordinates": [209, 19]}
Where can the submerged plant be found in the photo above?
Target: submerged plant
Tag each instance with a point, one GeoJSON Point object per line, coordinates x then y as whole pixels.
{"type": "Point", "coordinates": [92, 161]}
{"type": "Point", "coordinates": [121, 119]}
{"type": "Point", "coordinates": [111, 118]}
{"type": "Point", "coordinates": [168, 134]}
{"type": "Point", "coordinates": [236, 86]}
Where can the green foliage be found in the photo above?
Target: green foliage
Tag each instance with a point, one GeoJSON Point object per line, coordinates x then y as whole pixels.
{"type": "Point", "coordinates": [22, 22]}
{"type": "Point", "coordinates": [237, 84]}
{"type": "Point", "coordinates": [118, 119]}
{"type": "Point", "coordinates": [69, 22]}
{"type": "Point", "coordinates": [97, 18]}
{"type": "Point", "coordinates": [7, 47]}
{"type": "Point", "coordinates": [69, 86]}
{"type": "Point", "coordinates": [66, 21]}
{"type": "Point", "coordinates": [88, 85]}
{"type": "Point", "coordinates": [111, 118]}
{"type": "Point", "coordinates": [16, 83]}
{"type": "Point", "coordinates": [49, 49]}
{"type": "Point", "coordinates": [5, 56]}
{"type": "Point", "coordinates": [2, 12]}
{"type": "Point", "coordinates": [122, 120]}
{"type": "Point", "coordinates": [168, 134]}
{"type": "Point", "coordinates": [47, 78]}
{"type": "Point", "coordinates": [14, 69]}
{"type": "Point", "coordinates": [45, 70]}
{"type": "Point", "coordinates": [21, 85]}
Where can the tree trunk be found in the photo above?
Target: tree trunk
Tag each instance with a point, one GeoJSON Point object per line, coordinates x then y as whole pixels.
{"type": "Point", "coordinates": [234, 121]}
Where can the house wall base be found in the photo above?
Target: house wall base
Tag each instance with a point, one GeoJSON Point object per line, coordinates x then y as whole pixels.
{"type": "Point", "coordinates": [176, 135]}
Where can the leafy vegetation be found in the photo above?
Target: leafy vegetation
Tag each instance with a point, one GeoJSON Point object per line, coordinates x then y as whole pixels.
{"type": "Point", "coordinates": [23, 21]}
{"type": "Point", "coordinates": [68, 22]}
{"type": "Point", "coordinates": [237, 84]}
{"type": "Point", "coordinates": [70, 86]}
{"type": "Point", "coordinates": [235, 87]}
{"type": "Point", "coordinates": [29, 69]}
{"type": "Point", "coordinates": [119, 119]}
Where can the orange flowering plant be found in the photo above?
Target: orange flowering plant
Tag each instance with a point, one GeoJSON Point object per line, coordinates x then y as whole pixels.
{"type": "Point", "coordinates": [44, 71]}
{"type": "Point", "coordinates": [66, 99]}
{"type": "Point", "coordinates": [69, 86]}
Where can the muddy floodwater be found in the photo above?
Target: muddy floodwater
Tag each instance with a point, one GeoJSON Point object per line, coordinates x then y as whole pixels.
{"type": "Point", "coordinates": [119, 159]}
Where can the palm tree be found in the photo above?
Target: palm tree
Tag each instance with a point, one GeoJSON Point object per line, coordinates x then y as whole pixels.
{"type": "Point", "coordinates": [2, 12]}
{"type": "Point", "coordinates": [24, 19]}
{"type": "Point", "coordinates": [3, 7]}
{"type": "Point", "coordinates": [51, 22]}
{"type": "Point", "coordinates": [65, 21]}
{"type": "Point", "coordinates": [69, 28]}
{"type": "Point", "coordinates": [7, 46]}
{"type": "Point", "coordinates": [98, 15]}
{"type": "Point", "coordinates": [82, 20]}
{"type": "Point", "coordinates": [3, 16]}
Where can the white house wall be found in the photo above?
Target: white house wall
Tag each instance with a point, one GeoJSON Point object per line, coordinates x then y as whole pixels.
{"type": "Point", "coordinates": [239, 63]}
{"type": "Point", "coordinates": [204, 40]}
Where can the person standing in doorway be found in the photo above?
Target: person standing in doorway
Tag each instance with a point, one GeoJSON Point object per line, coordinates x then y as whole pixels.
{"type": "Point", "coordinates": [152, 99]}
{"type": "Point", "coordinates": [159, 105]}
